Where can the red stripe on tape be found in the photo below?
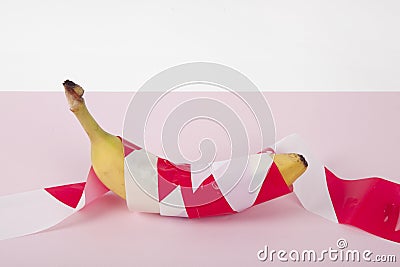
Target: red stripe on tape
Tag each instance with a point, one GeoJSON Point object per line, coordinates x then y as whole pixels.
{"type": "Point", "coordinates": [69, 194]}
{"type": "Point", "coordinates": [371, 204]}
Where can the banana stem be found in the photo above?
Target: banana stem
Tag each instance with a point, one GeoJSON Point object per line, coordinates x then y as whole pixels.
{"type": "Point", "coordinates": [77, 105]}
{"type": "Point", "coordinates": [89, 124]}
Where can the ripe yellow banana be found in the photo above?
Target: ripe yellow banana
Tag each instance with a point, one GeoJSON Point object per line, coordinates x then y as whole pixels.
{"type": "Point", "coordinates": [107, 152]}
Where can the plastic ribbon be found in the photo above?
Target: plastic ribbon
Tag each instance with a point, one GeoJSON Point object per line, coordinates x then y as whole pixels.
{"type": "Point", "coordinates": [370, 204]}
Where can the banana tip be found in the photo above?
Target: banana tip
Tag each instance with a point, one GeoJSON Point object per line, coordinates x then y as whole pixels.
{"type": "Point", "coordinates": [69, 83]}
{"type": "Point", "coordinates": [303, 160]}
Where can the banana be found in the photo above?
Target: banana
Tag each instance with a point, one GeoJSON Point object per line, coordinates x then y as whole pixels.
{"type": "Point", "coordinates": [290, 165]}
{"type": "Point", "coordinates": [107, 152]}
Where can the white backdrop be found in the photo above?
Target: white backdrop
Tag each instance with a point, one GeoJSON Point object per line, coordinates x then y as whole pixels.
{"type": "Point", "coordinates": [280, 45]}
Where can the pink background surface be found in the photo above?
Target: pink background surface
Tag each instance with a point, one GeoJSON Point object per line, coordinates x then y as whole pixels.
{"type": "Point", "coordinates": [42, 144]}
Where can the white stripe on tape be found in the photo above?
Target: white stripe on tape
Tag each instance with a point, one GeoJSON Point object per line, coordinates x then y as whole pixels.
{"type": "Point", "coordinates": [173, 205]}
{"type": "Point", "coordinates": [30, 212]}
{"type": "Point", "coordinates": [311, 189]}
{"type": "Point", "coordinates": [242, 195]}
{"type": "Point", "coordinates": [139, 176]}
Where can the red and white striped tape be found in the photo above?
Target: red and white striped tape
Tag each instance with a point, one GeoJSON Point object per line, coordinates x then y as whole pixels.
{"type": "Point", "coordinates": [35, 211]}
{"type": "Point", "coordinates": [370, 204]}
